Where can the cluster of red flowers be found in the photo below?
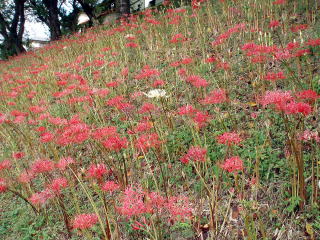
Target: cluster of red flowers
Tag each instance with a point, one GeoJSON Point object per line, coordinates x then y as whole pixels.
{"type": "Point", "coordinates": [84, 221]}
{"type": "Point", "coordinates": [274, 76]}
{"type": "Point", "coordinates": [215, 96]}
{"type": "Point", "coordinates": [226, 35]}
{"type": "Point", "coordinates": [229, 138]}
{"type": "Point", "coordinates": [195, 154]}
{"type": "Point", "coordinates": [133, 204]}
{"type": "Point", "coordinates": [285, 102]}
{"type": "Point", "coordinates": [198, 117]}
{"type": "Point", "coordinates": [233, 164]}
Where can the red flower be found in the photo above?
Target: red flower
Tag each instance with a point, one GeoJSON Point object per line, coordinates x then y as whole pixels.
{"type": "Point", "coordinates": [215, 96]}
{"type": "Point", "coordinates": [42, 166]}
{"type": "Point", "coordinates": [110, 186]}
{"type": "Point", "coordinates": [274, 76]}
{"type": "Point", "coordinates": [147, 108]}
{"type": "Point", "coordinates": [187, 110]}
{"type": "Point", "coordinates": [132, 202]}
{"type": "Point", "coordinates": [299, 27]}
{"type": "Point", "coordinates": [196, 154]}
{"type": "Point", "coordinates": [233, 164]}
{"type": "Point", "coordinates": [229, 138]}
{"type": "Point", "coordinates": [41, 198]}
{"type": "Point", "coordinates": [147, 141]}
{"type": "Point", "coordinates": [104, 132]}
{"type": "Point", "coordinates": [278, 98]}
{"type": "Point", "coordinates": [3, 185]}
{"type": "Point", "coordinates": [279, 2]}
{"type": "Point", "coordinates": [143, 126]}
{"type": "Point", "coordinates": [298, 107]}
{"type": "Point", "coordinates": [5, 164]}
{"type": "Point", "coordinates": [308, 94]}
{"type": "Point", "coordinates": [201, 118]}
{"type": "Point", "coordinates": [274, 24]}
{"type": "Point", "coordinates": [313, 42]}
{"type": "Point", "coordinates": [18, 155]}
{"type": "Point", "coordinates": [96, 171]}
{"type": "Point", "coordinates": [84, 221]}
{"type": "Point", "coordinates": [57, 184]}
{"type": "Point", "coordinates": [64, 162]}
{"type": "Point", "coordinates": [197, 81]}
{"type": "Point", "coordinates": [115, 143]}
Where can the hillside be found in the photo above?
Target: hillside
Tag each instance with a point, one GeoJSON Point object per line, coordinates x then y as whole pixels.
{"type": "Point", "coordinates": [200, 122]}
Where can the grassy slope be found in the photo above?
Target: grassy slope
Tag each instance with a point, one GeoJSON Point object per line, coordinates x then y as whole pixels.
{"type": "Point", "coordinates": [80, 54]}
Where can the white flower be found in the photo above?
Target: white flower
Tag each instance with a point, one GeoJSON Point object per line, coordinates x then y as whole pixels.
{"type": "Point", "coordinates": [156, 93]}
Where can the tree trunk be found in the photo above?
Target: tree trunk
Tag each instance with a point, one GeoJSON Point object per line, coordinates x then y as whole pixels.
{"type": "Point", "coordinates": [53, 18]}
{"type": "Point", "coordinates": [13, 33]}
{"type": "Point", "coordinates": [123, 7]}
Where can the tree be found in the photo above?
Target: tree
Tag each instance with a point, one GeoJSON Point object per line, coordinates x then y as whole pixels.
{"type": "Point", "coordinates": [123, 7]}
{"type": "Point", "coordinates": [48, 12]}
{"type": "Point", "coordinates": [12, 19]}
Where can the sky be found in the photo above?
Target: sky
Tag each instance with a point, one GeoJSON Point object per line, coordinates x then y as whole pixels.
{"type": "Point", "coordinates": [36, 31]}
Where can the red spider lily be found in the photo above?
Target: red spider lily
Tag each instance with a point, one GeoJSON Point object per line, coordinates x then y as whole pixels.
{"type": "Point", "coordinates": [179, 208]}
{"type": "Point", "coordinates": [297, 107]}
{"type": "Point", "coordinates": [187, 110]}
{"type": "Point", "coordinates": [293, 45]}
{"type": "Point", "coordinates": [147, 141]}
{"type": "Point", "coordinates": [3, 185]}
{"type": "Point", "coordinates": [278, 98]}
{"type": "Point", "coordinates": [178, 38]}
{"type": "Point", "coordinates": [97, 171]}
{"type": "Point", "coordinates": [104, 132]}
{"type": "Point", "coordinates": [210, 60]}
{"type": "Point", "coordinates": [110, 186]}
{"type": "Point", "coordinates": [84, 221]}
{"type": "Point", "coordinates": [147, 108]}
{"type": "Point", "coordinates": [197, 81]}
{"type": "Point", "coordinates": [5, 164]}
{"type": "Point", "coordinates": [274, 76]}
{"type": "Point", "coordinates": [274, 24]}
{"type": "Point", "coordinates": [313, 42]}
{"type": "Point", "coordinates": [132, 45]}
{"type": "Point", "coordinates": [42, 166]}
{"type": "Point", "coordinates": [233, 164]}
{"type": "Point", "coordinates": [299, 27]}
{"type": "Point", "coordinates": [58, 184]}
{"type": "Point", "coordinates": [147, 72]}
{"type": "Point", "coordinates": [73, 133]}
{"type": "Point", "coordinates": [143, 126]}
{"type": "Point", "coordinates": [158, 83]}
{"type": "Point", "coordinates": [132, 202]}
{"type": "Point", "coordinates": [307, 94]}
{"type": "Point", "coordinates": [64, 163]}
{"type": "Point", "coordinates": [201, 118]}
{"type": "Point", "coordinates": [186, 61]}
{"type": "Point", "coordinates": [18, 155]}
{"type": "Point", "coordinates": [196, 154]}
{"type": "Point", "coordinates": [42, 197]}
{"type": "Point", "coordinates": [115, 143]}
{"type": "Point", "coordinates": [119, 102]}
{"type": "Point", "coordinates": [26, 176]}
{"type": "Point", "coordinates": [229, 138]}
{"type": "Point", "coordinates": [46, 137]}
{"type": "Point", "coordinates": [279, 2]}
{"type": "Point", "coordinates": [215, 97]}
